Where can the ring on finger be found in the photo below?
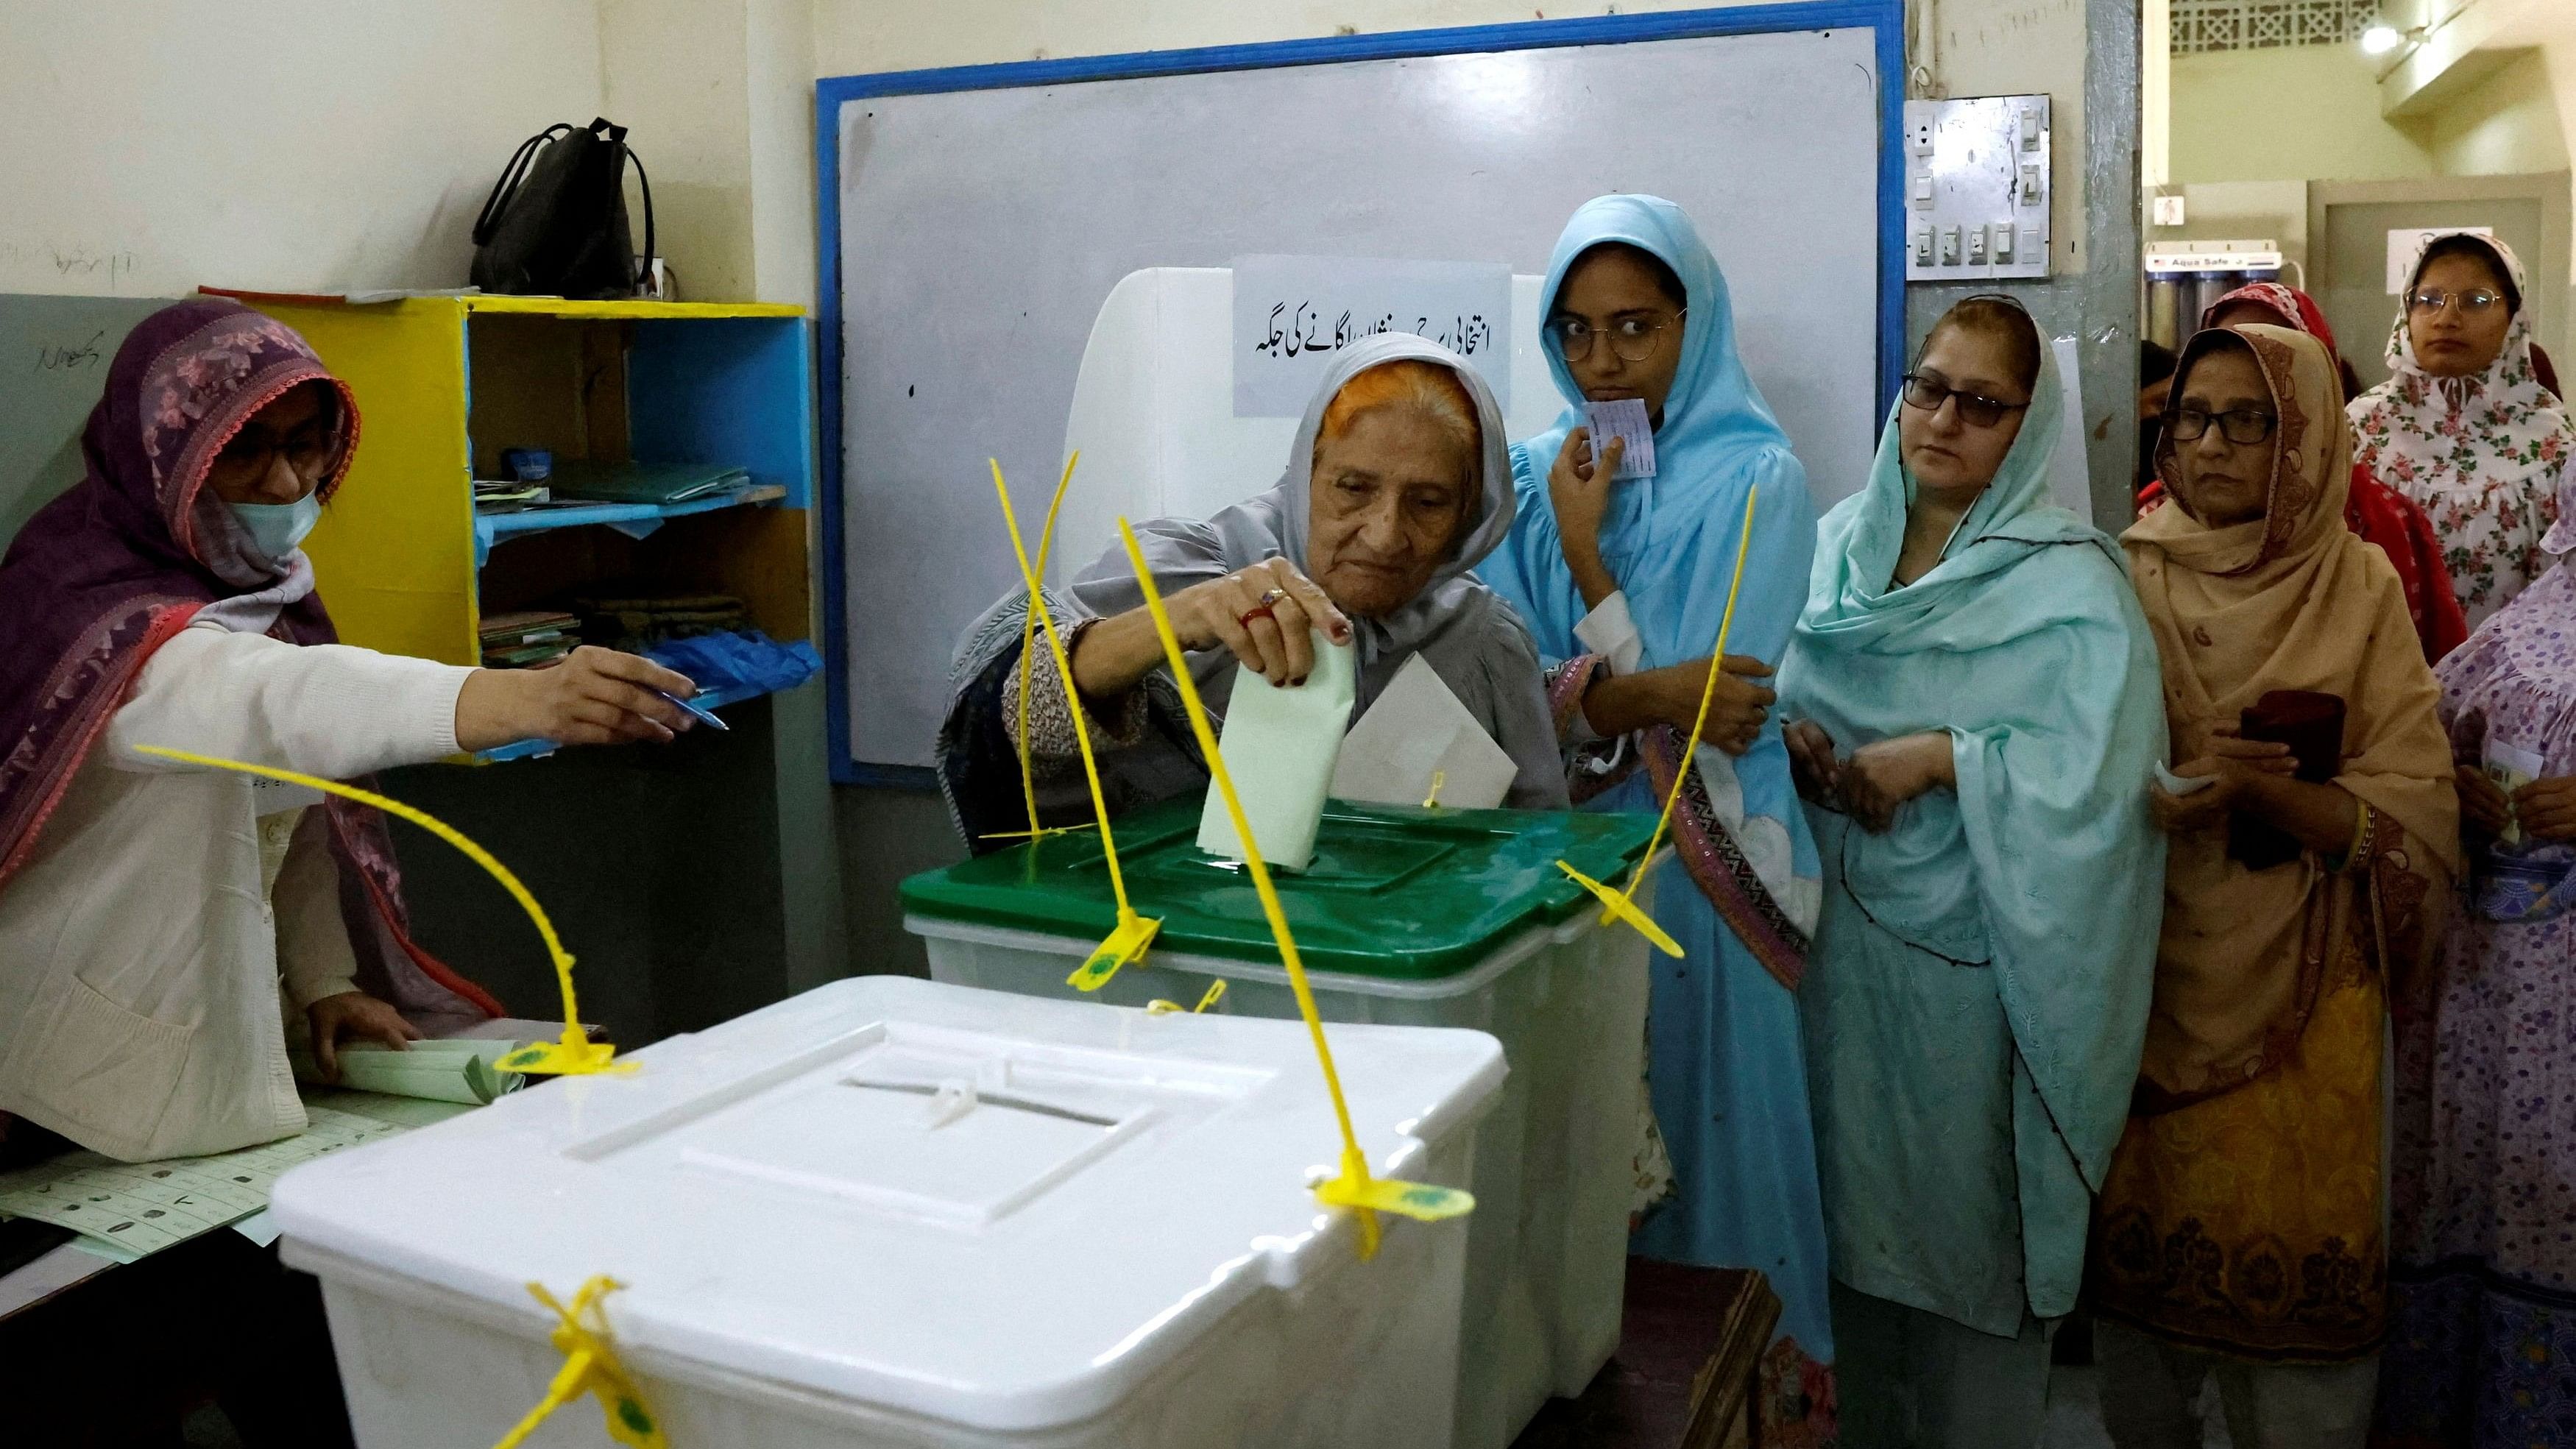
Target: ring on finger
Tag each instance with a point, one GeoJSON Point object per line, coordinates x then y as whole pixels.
{"type": "Point", "coordinates": [1263, 608]}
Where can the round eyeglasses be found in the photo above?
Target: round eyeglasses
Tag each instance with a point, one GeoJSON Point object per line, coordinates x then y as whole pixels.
{"type": "Point", "coordinates": [1975, 409]}
{"type": "Point", "coordinates": [2241, 426]}
{"type": "Point", "coordinates": [249, 453]}
{"type": "Point", "coordinates": [2476, 302]}
{"type": "Point", "coordinates": [1632, 339]}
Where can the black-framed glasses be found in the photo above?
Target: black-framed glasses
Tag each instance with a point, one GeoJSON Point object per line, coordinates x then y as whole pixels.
{"type": "Point", "coordinates": [1634, 339]}
{"type": "Point", "coordinates": [307, 450]}
{"type": "Point", "coordinates": [2475, 302]}
{"type": "Point", "coordinates": [2241, 426]}
{"type": "Point", "coordinates": [1975, 409]}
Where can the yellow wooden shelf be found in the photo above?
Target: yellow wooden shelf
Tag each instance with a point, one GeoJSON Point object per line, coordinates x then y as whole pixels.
{"type": "Point", "coordinates": [562, 307]}
{"type": "Point", "coordinates": [445, 383]}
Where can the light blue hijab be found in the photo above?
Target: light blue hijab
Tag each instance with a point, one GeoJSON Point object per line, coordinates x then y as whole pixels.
{"type": "Point", "coordinates": [2042, 875]}
{"type": "Point", "coordinates": [1673, 536]}
{"type": "Point", "coordinates": [1678, 527]}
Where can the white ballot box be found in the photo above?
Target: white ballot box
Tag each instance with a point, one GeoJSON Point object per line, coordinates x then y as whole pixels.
{"type": "Point", "coordinates": [1434, 918]}
{"type": "Point", "coordinates": [890, 1212]}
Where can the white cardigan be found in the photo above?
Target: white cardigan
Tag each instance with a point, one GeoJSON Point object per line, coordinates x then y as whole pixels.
{"type": "Point", "coordinates": [140, 955]}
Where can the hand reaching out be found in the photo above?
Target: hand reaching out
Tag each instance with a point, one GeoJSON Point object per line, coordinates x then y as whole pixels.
{"type": "Point", "coordinates": [354, 1016]}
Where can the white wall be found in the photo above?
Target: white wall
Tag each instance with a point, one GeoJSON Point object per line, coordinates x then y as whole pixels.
{"type": "Point", "coordinates": [2509, 123]}
{"type": "Point", "coordinates": [2300, 112]}
{"type": "Point", "coordinates": [149, 146]}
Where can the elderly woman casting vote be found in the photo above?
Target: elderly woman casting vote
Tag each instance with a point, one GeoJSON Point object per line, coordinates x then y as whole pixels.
{"type": "Point", "coordinates": [1396, 486]}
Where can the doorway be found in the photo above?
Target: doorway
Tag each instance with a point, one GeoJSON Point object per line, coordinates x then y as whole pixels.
{"type": "Point", "coordinates": [2349, 226]}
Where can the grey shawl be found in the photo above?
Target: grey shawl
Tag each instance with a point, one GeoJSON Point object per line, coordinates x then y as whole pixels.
{"type": "Point", "coordinates": [1463, 629]}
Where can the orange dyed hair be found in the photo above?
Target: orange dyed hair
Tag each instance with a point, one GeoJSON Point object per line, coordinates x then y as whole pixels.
{"type": "Point", "coordinates": [1409, 382]}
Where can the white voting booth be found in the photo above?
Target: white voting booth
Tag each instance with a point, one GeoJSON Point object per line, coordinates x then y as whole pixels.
{"type": "Point", "coordinates": [1153, 411]}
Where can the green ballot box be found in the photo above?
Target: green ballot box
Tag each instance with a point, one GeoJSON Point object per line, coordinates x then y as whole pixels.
{"type": "Point", "coordinates": [1455, 918]}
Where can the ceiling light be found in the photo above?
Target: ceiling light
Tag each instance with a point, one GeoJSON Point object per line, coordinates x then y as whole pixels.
{"type": "Point", "coordinates": [2380, 39]}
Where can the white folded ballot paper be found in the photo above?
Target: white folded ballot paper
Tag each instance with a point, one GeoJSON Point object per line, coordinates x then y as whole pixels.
{"type": "Point", "coordinates": [1415, 732]}
{"type": "Point", "coordinates": [1279, 747]}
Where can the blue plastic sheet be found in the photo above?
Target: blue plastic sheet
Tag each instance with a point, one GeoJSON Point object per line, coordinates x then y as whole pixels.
{"type": "Point", "coordinates": [739, 664]}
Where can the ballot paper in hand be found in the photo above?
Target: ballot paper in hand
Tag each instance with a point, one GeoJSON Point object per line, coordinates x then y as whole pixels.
{"type": "Point", "coordinates": [1624, 419]}
{"type": "Point", "coordinates": [1279, 747]}
{"type": "Point", "coordinates": [451, 1070]}
{"type": "Point", "coordinates": [1417, 732]}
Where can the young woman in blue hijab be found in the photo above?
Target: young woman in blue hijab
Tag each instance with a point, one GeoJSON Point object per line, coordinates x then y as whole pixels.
{"type": "Point", "coordinates": [1622, 584]}
{"type": "Point", "coordinates": [1974, 711]}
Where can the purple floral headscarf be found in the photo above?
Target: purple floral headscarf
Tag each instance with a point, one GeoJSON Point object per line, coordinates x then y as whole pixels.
{"type": "Point", "coordinates": [105, 574]}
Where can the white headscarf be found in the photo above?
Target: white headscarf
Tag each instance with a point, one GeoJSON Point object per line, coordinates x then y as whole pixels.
{"type": "Point", "coordinates": [2452, 443]}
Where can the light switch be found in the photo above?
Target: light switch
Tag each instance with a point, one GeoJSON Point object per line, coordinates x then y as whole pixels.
{"type": "Point", "coordinates": [1923, 246]}
{"type": "Point", "coordinates": [2003, 241]}
{"type": "Point", "coordinates": [2029, 183]}
{"type": "Point", "coordinates": [1949, 246]}
{"type": "Point", "coordinates": [1923, 192]}
{"type": "Point", "coordinates": [1977, 245]}
{"type": "Point", "coordinates": [2030, 130]}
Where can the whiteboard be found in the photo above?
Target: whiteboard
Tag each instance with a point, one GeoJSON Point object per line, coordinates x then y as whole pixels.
{"type": "Point", "coordinates": [973, 235]}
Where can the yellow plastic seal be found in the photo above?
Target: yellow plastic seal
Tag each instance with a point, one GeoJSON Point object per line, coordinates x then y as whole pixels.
{"type": "Point", "coordinates": [1622, 905]}
{"type": "Point", "coordinates": [1028, 653]}
{"type": "Point", "coordinates": [1129, 939]}
{"type": "Point", "coordinates": [575, 1054]}
{"type": "Point", "coordinates": [590, 1367]}
{"type": "Point", "coordinates": [1353, 1188]}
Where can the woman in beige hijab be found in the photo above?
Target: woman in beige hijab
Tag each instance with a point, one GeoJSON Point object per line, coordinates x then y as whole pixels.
{"type": "Point", "coordinates": [2240, 1228]}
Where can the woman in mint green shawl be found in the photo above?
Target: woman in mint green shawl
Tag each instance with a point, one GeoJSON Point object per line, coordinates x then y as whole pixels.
{"type": "Point", "coordinates": [1975, 713]}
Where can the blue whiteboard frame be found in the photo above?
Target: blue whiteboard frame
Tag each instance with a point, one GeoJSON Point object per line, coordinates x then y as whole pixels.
{"type": "Point", "coordinates": [1884, 18]}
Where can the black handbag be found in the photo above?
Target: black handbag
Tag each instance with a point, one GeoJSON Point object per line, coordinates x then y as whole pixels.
{"type": "Point", "coordinates": [555, 223]}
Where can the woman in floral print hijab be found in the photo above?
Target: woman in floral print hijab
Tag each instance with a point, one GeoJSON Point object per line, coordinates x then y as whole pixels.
{"type": "Point", "coordinates": [2464, 427]}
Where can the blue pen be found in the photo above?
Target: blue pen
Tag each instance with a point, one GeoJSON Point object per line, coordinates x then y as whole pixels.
{"type": "Point", "coordinates": [701, 713]}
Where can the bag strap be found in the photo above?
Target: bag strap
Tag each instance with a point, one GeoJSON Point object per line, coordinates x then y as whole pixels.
{"type": "Point", "coordinates": [644, 269]}
{"type": "Point", "coordinates": [609, 130]}
{"type": "Point", "coordinates": [507, 187]}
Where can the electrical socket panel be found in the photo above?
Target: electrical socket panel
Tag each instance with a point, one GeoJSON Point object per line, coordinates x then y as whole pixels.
{"type": "Point", "coordinates": [1976, 188]}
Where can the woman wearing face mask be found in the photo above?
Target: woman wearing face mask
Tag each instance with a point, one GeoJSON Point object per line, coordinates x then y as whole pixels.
{"type": "Point", "coordinates": [2240, 1228]}
{"type": "Point", "coordinates": [1395, 487]}
{"type": "Point", "coordinates": [1974, 714]}
{"type": "Point", "coordinates": [1623, 582]}
{"type": "Point", "coordinates": [160, 936]}
{"type": "Point", "coordinates": [2463, 426]}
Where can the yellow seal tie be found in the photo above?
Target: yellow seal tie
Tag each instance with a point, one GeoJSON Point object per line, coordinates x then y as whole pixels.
{"type": "Point", "coordinates": [1028, 645]}
{"type": "Point", "coordinates": [1353, 1188]}
{"type": "Point", "coordinates": [590, 1367]}
{"type": "Point", "coordinates": [1134, 933]}
{"type": "Point", "coordinates": [575, 1053]}
{"type": "Point", "coordinates": [1622, 905]}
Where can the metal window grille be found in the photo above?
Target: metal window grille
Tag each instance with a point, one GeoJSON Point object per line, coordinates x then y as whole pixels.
{"type": "Point", "coordinates": [2200, 25]}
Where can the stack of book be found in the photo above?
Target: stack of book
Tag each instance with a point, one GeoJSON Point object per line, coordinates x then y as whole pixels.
{"type": "Point", "coordinates": [635, 624]}
{"type": "Point", "coordinates": [532, 636]}
{"type": "Point", "coordinates": [491, 497]}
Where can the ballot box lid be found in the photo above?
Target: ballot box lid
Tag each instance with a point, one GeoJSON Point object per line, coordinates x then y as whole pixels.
{"type": "Point", "coordinates": [1393, 892]}
{"type": "Point", "coordinates": [888, 1194]}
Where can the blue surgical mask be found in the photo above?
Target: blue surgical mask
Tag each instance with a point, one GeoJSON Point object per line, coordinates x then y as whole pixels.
{"type": "Point", "coordinates": [278, 527]}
